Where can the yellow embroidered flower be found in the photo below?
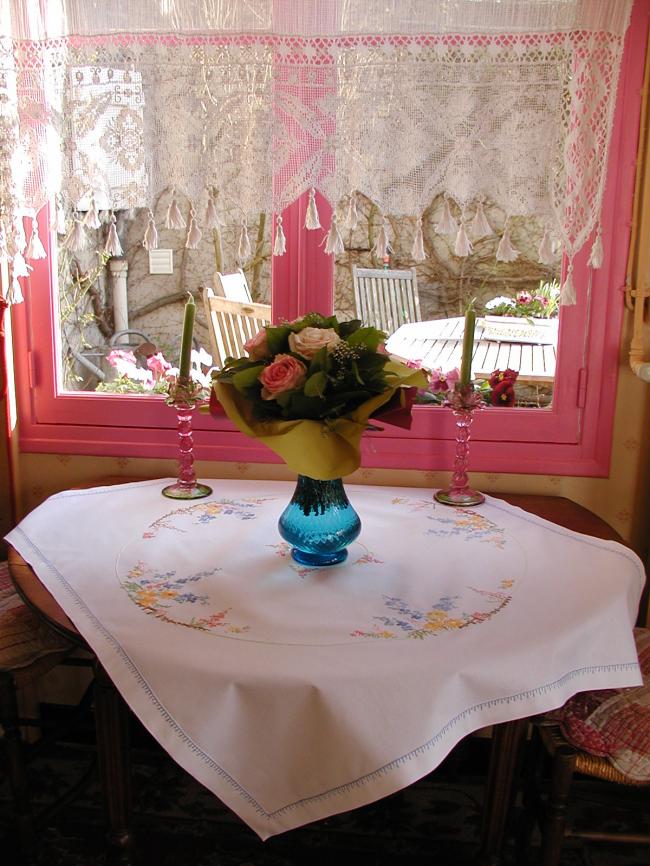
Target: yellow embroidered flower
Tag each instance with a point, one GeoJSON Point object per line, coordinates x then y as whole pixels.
{"type": "Point", "coordinates": [506, 584]}
{"type": "Point", "coordinates": [168, 593]}
{"type": "Point", "coordinates": [146, 597]}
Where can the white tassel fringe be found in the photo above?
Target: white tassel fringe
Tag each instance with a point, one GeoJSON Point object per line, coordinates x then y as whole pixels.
{"type": "Point", "coordinates": [174, 217]}
{"type": "Point", "coordinates": [113, 246]}
{"type": "Point", "coordinates": [333, 240]}
{"type": "Point", "coordinates": [194, 233]}
{"type": "Point", "coordinates": [596, 256]}
{"type": "Point", "coordinates": [280, 242]}
{"type": "Point", "coordinates": [480, 227]}
{"type": "Point", "coordinates": [211, 220]}
{"type": "Point", "coordinates": [150, 239]}
{"type": "Point", "coordinates": [462, 247]}
{"type": "Point", "coordinates": [92, 219]}
{"type": "Point", "coordinates": [545, 252]}
{"type": "Point", "coordinates": [352, 217]}
{"type": "Point", "coordinates": [505, 251]}
{"type": "Point", "coordinates": [417, 250]}
{"type": "Point", "coordinates": [312, 220]}
{"type": "Point", "coordinates": [447, 225]}
{"type": "Point", "coordinates": [35, 248]}
{"type": "Point", "coordinates": [382, 246]}
{"type": "Point", "coordinates": [568, 292]}
{"type": "Point", "coordinates": [244, 249]}
{"type": "Point", "coordinates": [77, 240]}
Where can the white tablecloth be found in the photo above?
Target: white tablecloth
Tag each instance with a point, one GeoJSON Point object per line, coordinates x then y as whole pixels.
{"type": "Point", "coordinates": [296, 693]}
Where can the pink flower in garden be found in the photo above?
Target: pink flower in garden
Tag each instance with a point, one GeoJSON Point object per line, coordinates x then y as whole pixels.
{"type": "Point", "coordinates": [443, 381]}
{"type": "Point", "coordinates": [284, 374]}
{"type": "Point", "coordinates": [158, 365]}
{"type": "Point", "coordinates": [123, 361]}
{"type": "Point", "coordinates": [414, 365]}
{"type": "Point", "coordinates": [257, 347]}
{"type": "Point", "coordinates": [541, 300]}
{"type": "Point", "coordinates": [524, 298]}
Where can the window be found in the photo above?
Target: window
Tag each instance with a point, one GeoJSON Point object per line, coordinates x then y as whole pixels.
{"type": "Point", "coordinates": [570, 436]}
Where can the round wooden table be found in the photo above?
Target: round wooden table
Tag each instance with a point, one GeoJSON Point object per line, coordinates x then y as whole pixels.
{"type": "Point", "coordinates": [112, 717]}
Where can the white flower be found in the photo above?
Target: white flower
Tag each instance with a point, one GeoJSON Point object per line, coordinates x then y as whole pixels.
{"type": "Point", "coordinates": [309, 341]}
{"type": "Point", "coordinates": [497, 302]}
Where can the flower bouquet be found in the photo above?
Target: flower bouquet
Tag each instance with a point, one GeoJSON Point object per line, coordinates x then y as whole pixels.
{"type": "Point", "coordinates": [308, 390]}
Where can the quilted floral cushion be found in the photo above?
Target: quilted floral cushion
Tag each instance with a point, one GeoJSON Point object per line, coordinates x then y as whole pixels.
{"type": "Point", "coordinates": [24, 637]}
{"type": "Point", "coordinates": [614, 723]}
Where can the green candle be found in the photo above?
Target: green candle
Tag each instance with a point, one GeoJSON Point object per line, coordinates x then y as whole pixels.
{"type": "Point", "coordinates": [468, 346]}
{"type": "Point", "coordinates": [186, 342]}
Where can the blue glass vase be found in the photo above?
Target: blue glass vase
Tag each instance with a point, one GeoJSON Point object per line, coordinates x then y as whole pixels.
{"type": "Point", "coordinates": [319, 522]}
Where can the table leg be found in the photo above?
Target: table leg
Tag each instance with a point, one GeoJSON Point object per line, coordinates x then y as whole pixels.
{"type": "Point", "coordinates": [114, 760]}
{"type": "Point", "coordinates": [507, 741]}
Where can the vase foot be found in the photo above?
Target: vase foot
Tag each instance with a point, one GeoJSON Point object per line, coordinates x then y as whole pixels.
{"type": "Point", "coordinates": [180, 491]}
{"type": "Point", "coordinates": [459, 496]}
{"type": "Point", "coordinates": [316, 559]}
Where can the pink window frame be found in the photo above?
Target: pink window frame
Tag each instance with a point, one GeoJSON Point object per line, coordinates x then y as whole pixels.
{"type": "Point", "coordinates": [572, 438]}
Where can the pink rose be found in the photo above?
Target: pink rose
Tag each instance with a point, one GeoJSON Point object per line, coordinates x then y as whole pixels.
{"type": "Point", "coordinates": [284, 374]}
{"type": "Point", "coordinates": [311, 340]}
{"type": "Point", "coordinates": [257, 347]}
{"type": "Point", "coordinates": [158, 365]}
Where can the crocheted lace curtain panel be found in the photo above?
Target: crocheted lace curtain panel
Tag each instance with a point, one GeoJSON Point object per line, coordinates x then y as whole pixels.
{"type": "Point", "coordinates": [506, 103]}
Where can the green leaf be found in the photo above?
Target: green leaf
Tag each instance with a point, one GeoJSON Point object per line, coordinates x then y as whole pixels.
{"type": "Point", "coordinates": [278, 339]}
{"type": "Point", "coordinates": [369, 338]}
{"type": "Point", "coordinates": [320, 362]}
{"type": "Point", "coordinates": [246, 378]}
{"type": "Point", "coordinates": [315, 385]}
{"type": "Point", "coordinates": [347, 328]}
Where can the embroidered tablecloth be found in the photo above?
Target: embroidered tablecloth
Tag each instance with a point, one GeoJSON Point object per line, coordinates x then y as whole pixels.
{"type": "Point", "coordinates": [294, 693]}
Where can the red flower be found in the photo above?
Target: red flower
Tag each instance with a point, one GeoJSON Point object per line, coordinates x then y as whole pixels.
{"type": "Point", "coordinates": [503, 393]}
{"type": "Point", "coordinates": [506, 375]}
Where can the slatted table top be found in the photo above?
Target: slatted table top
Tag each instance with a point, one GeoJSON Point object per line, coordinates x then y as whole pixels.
{"type": "Point", "coordinates": [438, 344]}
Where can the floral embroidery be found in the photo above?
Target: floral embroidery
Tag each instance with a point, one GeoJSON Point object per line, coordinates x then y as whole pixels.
{"type": "Point", "coordinates": [413, 623]}
{"type": "Point", "coordinates": [157, 592]}
{"type": "Point", "coordinates": [204, 512]}
{"type": "Point", "coordinates": [471, 525]}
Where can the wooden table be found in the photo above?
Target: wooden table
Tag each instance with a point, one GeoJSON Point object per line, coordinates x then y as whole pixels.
{"type": "Point", "coordinates": [112, 714]}
{"type": "Point", "coordinates": [438, 344]}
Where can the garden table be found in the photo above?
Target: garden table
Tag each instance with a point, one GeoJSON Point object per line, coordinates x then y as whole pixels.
{"type": "Point", "coordinates": [296, 693]}
{"type": "Point", "coordinates": [438, 344]}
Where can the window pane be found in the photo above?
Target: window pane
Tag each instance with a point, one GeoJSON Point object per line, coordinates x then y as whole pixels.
{"type": "Point", "coordinates": [114, 313]}
{"type": "Point", "coordinates": [516, 301]}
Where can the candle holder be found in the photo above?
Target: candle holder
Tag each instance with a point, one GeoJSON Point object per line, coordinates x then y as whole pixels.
{"type": "Point", "coordinates": [463, 402]}
{"type": "Point", "coordinates": [184, 394]}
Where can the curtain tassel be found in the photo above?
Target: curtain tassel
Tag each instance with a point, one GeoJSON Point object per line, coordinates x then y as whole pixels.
{"type": "Point", "coordinates": [312, 220]}
{"type": "Point", "coordinates": [15, 292]}
{"type": "Point", "coordinates": [382, 245]}
{"type": "Point", "coordinates": [77, 239]}
{"type": "Point", "coordinates": [150, 239]}
{"type": "Point", "coordinates": [480, 227]}
{"type": "Point", "coordinates": [92, 219]}
{"type": "Point", "coordinates": [545, 253]}
{"type": "Point", "coordinates": [333, 240]}
{"type": "Point", "coordinates": [417, 250]}
{"type": "Point", "coordinates": [244, 250]}
{"type": "Point", "coordinates": [211, 220]}
{"type": "Point", "coordinates": [174, 217]}
{"type": "Point", "coordinates": [35, 248]}
{"type": "Point", "coordinates": [447, 225]}
{"type": "Point", "coordinates": [352, 217]}
{"type": "Point", "coordinates": [113, 246]}
{"type": "Point", "coordinates": [280, 242]}
{"type": "Point", "coordinates": [568, 292]}
{"type": "Point", "coordinates": [505, 251]}
{"type": "Point", "coordinates": [596, 255]}
{"type": "Point", "coordinates": [194, 233]}
{"type": "Point", "coordinates": [462, 247]}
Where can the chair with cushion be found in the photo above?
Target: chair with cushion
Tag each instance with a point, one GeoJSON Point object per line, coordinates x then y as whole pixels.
{"type": "Point", "coordinates": [386, 298]}
{"type": "Point", "coordinates": [28, 650]}
{"type": "Point", "coordinates": [601, 734]}
{"type": "Point", "coordinates": [234, 287]}
{"type": "Point", "coordinates": [231, 324]}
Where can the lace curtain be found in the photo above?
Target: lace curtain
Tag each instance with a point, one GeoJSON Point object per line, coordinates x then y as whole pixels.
{"type": "Point", "coordinates": [507, 103]}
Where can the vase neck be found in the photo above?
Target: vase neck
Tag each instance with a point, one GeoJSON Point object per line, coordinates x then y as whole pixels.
{"type": "Point", "coordinates": [316, 496]}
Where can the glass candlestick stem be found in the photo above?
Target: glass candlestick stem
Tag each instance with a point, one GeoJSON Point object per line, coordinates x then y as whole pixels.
{"type": "Point", "coordinates": [460, 493]}
{"type": "Point", "coordinates": [186, 487]}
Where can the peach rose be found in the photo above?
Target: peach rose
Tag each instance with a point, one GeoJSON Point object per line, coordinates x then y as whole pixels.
{"type": "Point", "coordinates": [284, 374]}
{"type": "Point", "coordinates": [311, 340]}
{"type": "Point", "coordinates": [257, 347]}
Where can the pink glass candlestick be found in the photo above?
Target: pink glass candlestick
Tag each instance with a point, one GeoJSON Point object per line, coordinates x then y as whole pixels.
{"type": "Point", "coordinates": [186, 487]}
{"type": "Point", "coordinates": [460, 493]}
